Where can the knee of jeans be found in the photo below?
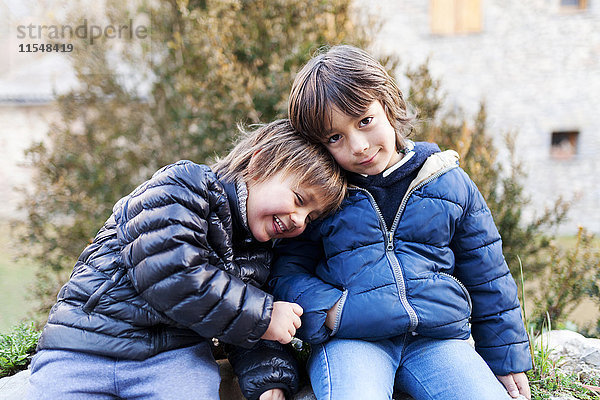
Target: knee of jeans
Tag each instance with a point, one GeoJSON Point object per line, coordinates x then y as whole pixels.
{"type": "Point", "coordinates": [318, 371]}
{"type": "Point", "coordinates": [351, 369]}
{"type": "Point", "coordinates": [33, 362]}
{"type": "Point", "coordinates": [41, 359]}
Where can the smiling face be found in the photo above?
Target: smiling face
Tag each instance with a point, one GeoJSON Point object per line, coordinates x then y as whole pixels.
{"type": "Point", "coordinates": [365, 144]}
{"type": "Point", "coordinates": [279, 208]}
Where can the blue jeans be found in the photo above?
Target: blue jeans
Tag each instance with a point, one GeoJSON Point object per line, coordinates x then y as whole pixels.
{"type": "Point", "coordinates": [187, 373]}
{"type": "Point", "coordinates": [425, 368]}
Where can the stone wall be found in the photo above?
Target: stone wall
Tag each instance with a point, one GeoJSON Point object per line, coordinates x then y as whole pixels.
{"type": "Point", "coordinates": [537, 67]}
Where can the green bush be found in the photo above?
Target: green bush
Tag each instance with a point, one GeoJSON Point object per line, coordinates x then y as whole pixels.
{"type": "Point", "coordinates": [572, 274]}
{"type": "Point", "coordinates": [210, 65]}
{"type": "Point", "coordinates": [16, 348]}
{"type": "Point", "coordinates": [207, 66]}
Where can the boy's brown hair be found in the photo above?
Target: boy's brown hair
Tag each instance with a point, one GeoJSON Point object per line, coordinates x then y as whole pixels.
{"type": "Point", "coordinates": [277, 147]}
{"type": "Point", "coordinates": [349, 79]}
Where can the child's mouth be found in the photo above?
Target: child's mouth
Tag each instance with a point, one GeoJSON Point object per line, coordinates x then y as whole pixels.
{"type": "Point", "coordinates": [368, 160]}
{"type": "Point", "coordinates": [279, 226]}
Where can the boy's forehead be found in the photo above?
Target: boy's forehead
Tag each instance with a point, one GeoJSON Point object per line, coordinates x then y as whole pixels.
{"type": "Point", "coordinates": [333, 114]}
{"type": "Point", "coordinates": [337, 115]}
{"type": "Point", "coordinates": [320, 111]}
{"type": "Point", "coordinates": [327, 122]}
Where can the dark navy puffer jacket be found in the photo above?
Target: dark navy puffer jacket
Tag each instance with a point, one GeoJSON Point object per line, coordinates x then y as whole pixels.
{"type": "Point", "coordinates": [438, 269]}
{"type": "Point", "coordinates": [166, 272]}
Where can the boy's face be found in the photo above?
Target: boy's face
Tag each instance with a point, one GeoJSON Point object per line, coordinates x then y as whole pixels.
{"type": "Point", "coordinates": [278, 208]}
{"type": "Point", "coordinates": [365, 144]}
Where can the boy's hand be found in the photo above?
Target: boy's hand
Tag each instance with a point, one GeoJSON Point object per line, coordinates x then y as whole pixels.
{"type": "Point", "coordinates": [273, 394]}
{"type": "Point", "coordinates": [516, 384]}
{"type": "Point", "coordinates": [285, 319]}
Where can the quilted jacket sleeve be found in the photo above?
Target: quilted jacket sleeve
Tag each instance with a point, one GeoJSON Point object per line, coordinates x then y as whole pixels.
{"type": "Point", "coordinates": [293, 279]}
{"type": "Point", "coordinates": [268, 365]}
{"type": "Point", "coordinates": [254, 264]}
{"type": "Point", "coordinates": [497, 326]}
{"type": "Point", "coordinates": [175, 238]}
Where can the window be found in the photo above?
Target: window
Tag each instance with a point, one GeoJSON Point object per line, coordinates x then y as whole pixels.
{"type": "Point", "coordinates": [564, 144]}
{"type": "Point", "coordinates": [450, 17]}
{"type": "Point", "coordinates": [573, 4]}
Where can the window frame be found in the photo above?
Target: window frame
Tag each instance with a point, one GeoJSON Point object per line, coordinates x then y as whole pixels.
{"type": "Point", "coordinates": [466, 17]}
{"type": "Point", "coordinates": [582, 5]}
{"type": "Point", "coordinates": [564, 144]}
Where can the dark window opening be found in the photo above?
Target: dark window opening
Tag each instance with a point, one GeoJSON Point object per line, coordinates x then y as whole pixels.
{"type": "Point", "coordinates": [564, 144]}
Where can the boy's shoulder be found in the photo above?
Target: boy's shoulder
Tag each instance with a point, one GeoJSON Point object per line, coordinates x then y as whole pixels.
{"type": "Point", "coordinates": [184, 182]}
{"type": "Point", "coordinates": [184, 168]}
{"type": "Point", "coordinates": [187, 172]}
{"type": "Point", "coordinates": [198, 178]}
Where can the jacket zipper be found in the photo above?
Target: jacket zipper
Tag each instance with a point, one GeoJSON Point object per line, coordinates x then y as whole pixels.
{"type": "Point", "coordinates": [389, 243]}
{"type": "Point", "coordinates": [389, 252]}
{"type": "Point", "coordinates": [338, 313]}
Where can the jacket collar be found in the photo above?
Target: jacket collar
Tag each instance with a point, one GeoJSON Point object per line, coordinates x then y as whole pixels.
{"type": "Point", "coordinates": [416, 154]}
{"type": "Point", "coordinates": [237, 195]}
{"type": "Point", "coordinates": [437, 163]}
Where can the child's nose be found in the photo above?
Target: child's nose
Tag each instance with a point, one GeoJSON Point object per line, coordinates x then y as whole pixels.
{"type": "Point", "coordinates": [359, 144]}
{"type": "Point", "coordinates": [299, 220]}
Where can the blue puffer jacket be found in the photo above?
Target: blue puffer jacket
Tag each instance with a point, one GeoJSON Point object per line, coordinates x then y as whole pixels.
{"type": "Point", "coordinates": [436, 270]}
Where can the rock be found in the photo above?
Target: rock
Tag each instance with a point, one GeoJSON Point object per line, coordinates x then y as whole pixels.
{"type": "Point", "coordinates": [306, 393]}
{"type": "Point", "coordinates": [229, 388]}
{"type": "Point", "coordinates": [574, 352]}
{"type": "Point", "coordinates": [14, 387]}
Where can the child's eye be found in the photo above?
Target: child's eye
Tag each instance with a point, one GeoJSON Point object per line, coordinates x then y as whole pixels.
{"type": "Point", "coordinates": [334, 138]}
{"type": "Point", "coordinates": [300, 199]}
{"type": "Point", "coordinates": [365, 121]}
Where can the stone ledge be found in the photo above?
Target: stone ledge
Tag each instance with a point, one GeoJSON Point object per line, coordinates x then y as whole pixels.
{"type": "Point", "coordinates": [14, 387]}
{"type": "Point", "coordinates": [582, 355]}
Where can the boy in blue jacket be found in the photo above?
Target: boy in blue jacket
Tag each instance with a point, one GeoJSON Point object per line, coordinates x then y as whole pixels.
{"type": "Point", "coordinates": [394, 283]}
{"type": "Point", "coordinates": [180, 261]}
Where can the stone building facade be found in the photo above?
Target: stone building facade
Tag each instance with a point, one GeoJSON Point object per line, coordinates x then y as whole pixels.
{"type": "Point", "coordinates": [535, 63]}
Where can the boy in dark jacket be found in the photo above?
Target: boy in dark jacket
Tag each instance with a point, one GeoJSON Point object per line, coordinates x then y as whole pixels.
{"type": "Point", "coordinates": [181, 261]}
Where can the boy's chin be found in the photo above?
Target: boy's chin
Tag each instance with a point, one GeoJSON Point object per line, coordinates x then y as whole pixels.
{"type": "Point", "coordinates": [260, 236]}
{"type": "Point", "coordinates": [376, 170]}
